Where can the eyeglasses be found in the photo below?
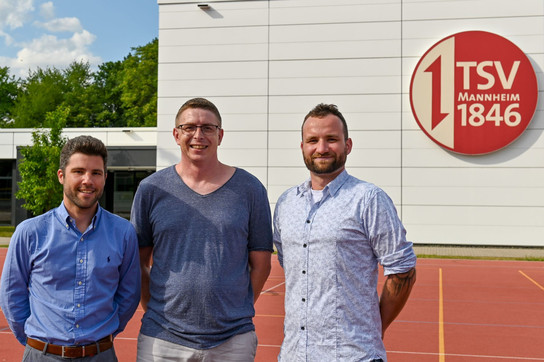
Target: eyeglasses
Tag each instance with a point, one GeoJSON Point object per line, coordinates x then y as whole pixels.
{"type": "Point", "coordinates": [207, 129]}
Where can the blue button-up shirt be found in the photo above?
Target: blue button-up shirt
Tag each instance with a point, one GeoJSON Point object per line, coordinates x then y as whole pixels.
{"type": "Point", "coordinates": [66, 287]}
{"type": "Point", "coordinates": [330, 252]}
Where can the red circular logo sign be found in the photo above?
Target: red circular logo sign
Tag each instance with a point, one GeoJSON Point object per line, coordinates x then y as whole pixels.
{"type": "Point", "coordinates": [473, 92]}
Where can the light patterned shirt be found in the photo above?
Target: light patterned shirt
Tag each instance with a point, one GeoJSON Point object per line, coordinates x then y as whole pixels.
{"type": "Point", "coordinates": [330, 252]}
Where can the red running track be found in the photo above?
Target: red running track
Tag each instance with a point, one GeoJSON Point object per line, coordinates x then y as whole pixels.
{"type": "Point", "coordinates": [459, 310]}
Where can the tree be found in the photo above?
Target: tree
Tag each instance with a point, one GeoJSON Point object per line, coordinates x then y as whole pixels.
{"type": "Point", "coordinates": [39, 185]}
{"type": "Point", "coordinates": [119, 94]}
{"type": "Point", "coordinates": [106, 90]}
{"type": "Point", "coordinates": [139, 85]}
{"type": "Point", "coordinates": [9, 87]}
{"type": "Point", "coordinates": [77, 96]}
{"type": "Point", "coordinates": [42, 92]}
{"type": "Point", "coordinates": [47, 89]}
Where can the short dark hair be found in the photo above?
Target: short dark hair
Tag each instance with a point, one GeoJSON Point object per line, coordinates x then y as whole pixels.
{"type": "Point", "coordinates": [322, 110]}
{"type": "Point", "coordinates": [87, 145]}
{"type": "Point", "coordinates": [201, 103]}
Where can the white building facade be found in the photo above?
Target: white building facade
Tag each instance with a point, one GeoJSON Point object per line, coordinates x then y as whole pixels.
{"type": "Point", "coordinates": [131, 157]}
{"type": "Point", "coordinates": [266, 63]}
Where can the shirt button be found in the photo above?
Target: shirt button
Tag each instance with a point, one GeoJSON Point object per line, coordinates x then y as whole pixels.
{"type": "Point", "coordinates": [304, 245]}
{"type": "Point", "coordinates": [79, 283]}
{"type": "Point", "coordinates": [303, 299]}
{"type": "Point", "coordinates": [307, 221]}
{"type": "Point", "coordinates": [78, 305]}
{"type": "Point", "coordinates": [304, 272]}
{"type": "Point", "coordinates": [81, 239]}
{"type": "Point", "coordinates": [80, 261]}
{"type": "Point", "coordinates": [77, 325]}
{"type": "Point", "coordinates": [302, 328]}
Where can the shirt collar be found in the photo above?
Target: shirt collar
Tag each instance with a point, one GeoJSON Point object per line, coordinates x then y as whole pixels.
{"type": "Point", "coordinates": [332, 187]}
{"type": "Point", "coordinates": [65, 217]}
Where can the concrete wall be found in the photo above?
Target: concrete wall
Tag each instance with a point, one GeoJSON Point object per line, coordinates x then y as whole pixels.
{"type": "Point", "coordinates": [265, 64]}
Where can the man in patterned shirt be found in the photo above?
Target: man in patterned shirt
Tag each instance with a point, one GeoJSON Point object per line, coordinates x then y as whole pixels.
{"type": "Point", "coordinates": [331, 232]}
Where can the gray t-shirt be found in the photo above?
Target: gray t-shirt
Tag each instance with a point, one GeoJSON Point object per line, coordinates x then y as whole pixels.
{"type": "Point", "coordinates": [200, 287]}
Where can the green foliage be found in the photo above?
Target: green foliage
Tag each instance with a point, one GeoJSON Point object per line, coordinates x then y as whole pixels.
{"type": "Point", "coordinates": [139, 85]}
{"type": "Point", "coordinates": [9, 87]}
{"type": "Point", "coordinates": [77, 82]}
{"type": "Point", "coordinates": [106, 89]}
{"type": "Point", "coordinates": [118, 94]}
{"type": "Point", "coordinates": [6, 231]}
{"type": "Point", "coordinates": [40, 93]}
{"type": "Point", "coordinates": [39, 185]}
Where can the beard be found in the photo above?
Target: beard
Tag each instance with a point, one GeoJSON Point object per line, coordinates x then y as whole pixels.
{"type": "Point", "coordinates": [82, 203]}
{"type": "Point", "coordinates": [325, 167]}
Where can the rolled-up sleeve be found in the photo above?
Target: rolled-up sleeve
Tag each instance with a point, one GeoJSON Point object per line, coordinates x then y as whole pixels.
{"type": "Point", "coordinates": [388, 235]}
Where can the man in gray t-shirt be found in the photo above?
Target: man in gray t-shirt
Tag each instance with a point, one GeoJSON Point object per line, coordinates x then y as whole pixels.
{"type": "Point", "coordinates": [206, 229]}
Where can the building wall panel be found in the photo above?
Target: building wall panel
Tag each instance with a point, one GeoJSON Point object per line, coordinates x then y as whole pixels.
{"type": "Point", "coordinates": [242, 87]}
{"type": "Point", "coordinates": [238, 113]}
{"type": "Point", "coordinates": [303, 12]}
{"type": "Point", "coordinates": [476, 225]}
{"type": "Point", "coordinates": [231, 71]}
{"type": "Point", "coordinates": [452, 9]}
{"type": "Point", "coordinates": [215, 53]}
{"type": "Point", "coordinates": [267, 63]}
{"type": "Point", "coordinates": [364, 112]}
{"type": "Point", "coordinates": [8, 151]}
{"type": "Point", "coordinates": [220, 14]}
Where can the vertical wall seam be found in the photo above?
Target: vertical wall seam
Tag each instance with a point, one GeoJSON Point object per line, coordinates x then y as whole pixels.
{"type": "Point", "coordinates": [268, 100]}
{"type": "Point", "coordinates": [401, 110]}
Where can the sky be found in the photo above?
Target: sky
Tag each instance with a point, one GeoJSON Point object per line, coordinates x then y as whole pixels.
{"type": "Point", "coordinates": [55, 33]}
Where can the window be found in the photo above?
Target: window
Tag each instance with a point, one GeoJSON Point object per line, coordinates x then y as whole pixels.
{"type": "Point", "coordinates": [6, 180]}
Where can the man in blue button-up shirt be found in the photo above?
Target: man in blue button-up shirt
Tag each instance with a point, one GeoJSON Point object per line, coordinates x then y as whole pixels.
{"type": "Point", "coordinates": [331, 232]}
{"type": "Point", "coordinates": [71, 279]}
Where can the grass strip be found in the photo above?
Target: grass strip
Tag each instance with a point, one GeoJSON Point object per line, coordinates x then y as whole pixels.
{"type": "Point", "coordinates": [482, 257]}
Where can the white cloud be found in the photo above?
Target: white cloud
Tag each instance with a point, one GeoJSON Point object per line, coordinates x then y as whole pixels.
{"type": "Point", "coordinates": [48, 51]}
{"type": "Point", "coordinates": [72, 25]}
{"type": "Point", "coordinates": [14, 13]}
{"type": "Point", "coordinates": [47, 10]}
{"type": "Point", "coordinates": [8, 39]}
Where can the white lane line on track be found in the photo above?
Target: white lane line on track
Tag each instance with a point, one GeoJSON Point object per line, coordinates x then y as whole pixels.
{"type": "Point", "coordinates": [272, 288]}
